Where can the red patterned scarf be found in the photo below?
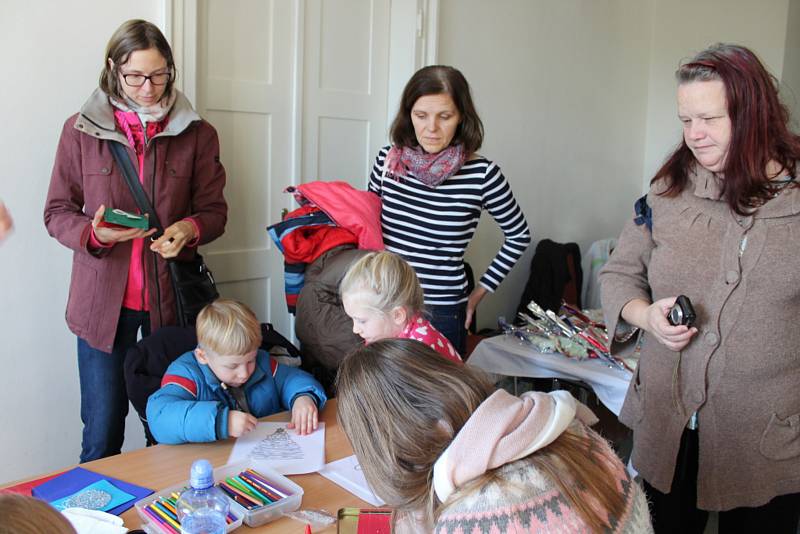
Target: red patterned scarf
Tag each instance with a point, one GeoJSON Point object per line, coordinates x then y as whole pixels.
{"type": "Point", "coordinates": [430, 169]}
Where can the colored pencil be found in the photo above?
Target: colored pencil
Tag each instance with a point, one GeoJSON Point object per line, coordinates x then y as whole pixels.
{"type": "Point", "coordinates": [160, 505]}
{"type": "Point", "coordinates": [253, 489]}
{"type": "Point", "coordinates": [169, 505]}
{"type": "Point", "coordinates": [260, 486]}
{"type": "Point", "coordinates": [244, 495]}
{"type": "Point", "coordinates": [247, 504]}
{"type": "Point", "coordinates": [166, 517]}
{"type": "Point", "coordinates": [231, 481]}
{"type": "Point", "coordinates": [166, 527]}
{"type": "Point", "coordinates": [277, 489]}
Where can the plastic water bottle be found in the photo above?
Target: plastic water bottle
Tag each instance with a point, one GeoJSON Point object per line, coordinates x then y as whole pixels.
{"type": "Point", "coordinates": [202, 508]}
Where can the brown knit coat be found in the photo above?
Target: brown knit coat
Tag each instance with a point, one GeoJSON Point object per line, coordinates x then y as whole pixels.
{"type": "Point", "coordinates": [741, 372]}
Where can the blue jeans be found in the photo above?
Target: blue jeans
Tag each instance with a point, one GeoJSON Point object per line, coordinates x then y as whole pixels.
{"type": "Point", "coordinates": [104, 400]}
{"type": "Point", "coordinates": [449, 320]}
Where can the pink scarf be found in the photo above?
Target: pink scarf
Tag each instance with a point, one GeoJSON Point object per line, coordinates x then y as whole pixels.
{"type": "Point", "coordinates": [502, 430]}
{"type": "Point", "coordinates": [430, 169]}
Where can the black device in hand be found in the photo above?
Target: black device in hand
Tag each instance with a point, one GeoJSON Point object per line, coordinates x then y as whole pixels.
{"type": "Point", "coordinates": [682, 312]}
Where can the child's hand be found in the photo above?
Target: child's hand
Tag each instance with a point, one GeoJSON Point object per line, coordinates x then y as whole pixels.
{"type": "Point", "coordinates": [240, 423]}
{"type": "Point", "coordinates": [304, 415]}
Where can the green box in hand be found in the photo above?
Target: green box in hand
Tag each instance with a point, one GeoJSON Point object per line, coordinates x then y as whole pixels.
{"type": "Point", "coordinates": [117, 217]}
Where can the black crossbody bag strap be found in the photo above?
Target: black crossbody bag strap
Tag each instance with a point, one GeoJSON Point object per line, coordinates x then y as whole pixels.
{"type": "Point", "coordinates": [129, 173]}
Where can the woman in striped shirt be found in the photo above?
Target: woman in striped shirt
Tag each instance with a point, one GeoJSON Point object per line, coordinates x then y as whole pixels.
{"type": "Point", "coordinates": [433, 186]}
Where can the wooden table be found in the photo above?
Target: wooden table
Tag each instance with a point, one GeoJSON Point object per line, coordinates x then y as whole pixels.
{"type": "Point", "coordinates": [165, 465]}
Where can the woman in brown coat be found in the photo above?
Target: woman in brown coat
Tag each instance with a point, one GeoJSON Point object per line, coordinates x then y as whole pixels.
{"type": "Point", "coordinates": [715, 407]}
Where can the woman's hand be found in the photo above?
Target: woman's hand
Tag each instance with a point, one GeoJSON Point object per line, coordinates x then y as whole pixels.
{"type": "Point", "coordinates": [109, 236]}
{"type": "Point", "coordinates": [474, 299]}
{"type": "Point", "coordinates": [652, 318]}
{"type": "Point", "coordinates": [173, 239]}
{"type": "Point", "coordinates": [240, 423]}
{"type": "Point", "coordinates": [304, 415]}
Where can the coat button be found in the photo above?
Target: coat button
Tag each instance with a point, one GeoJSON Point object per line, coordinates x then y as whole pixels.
{"type": "Point", "coordinates": [711, 339]}
{"type": "Point", "coordinates": [172, 172]}
{"type": "Point", "coordinates": [731, 277]}
{"type": "Point", "coordinates": [698, 396]}
{"type": "Point", "coordinates": [104, 170]}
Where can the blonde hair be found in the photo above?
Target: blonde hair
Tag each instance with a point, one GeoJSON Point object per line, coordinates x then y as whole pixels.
{"type": "Point", "coordinates": [20, 514]}
{"type": "Point", "coordinates": [228, 327]}
{"type": "Point", "coordinates": [390, 278]}
{"type": "Point", "coordinates": [400, 404]}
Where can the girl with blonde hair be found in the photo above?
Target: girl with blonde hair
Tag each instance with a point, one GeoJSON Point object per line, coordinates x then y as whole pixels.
{"type": "Point", "coordinates": [382, 295]}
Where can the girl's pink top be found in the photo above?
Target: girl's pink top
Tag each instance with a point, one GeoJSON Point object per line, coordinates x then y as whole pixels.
{"type": "Point", "coordinates": [421, 329]}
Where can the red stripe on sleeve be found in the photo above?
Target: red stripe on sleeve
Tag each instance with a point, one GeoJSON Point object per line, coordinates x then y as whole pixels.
{"type": "Point", "coordinates": [180, 381]}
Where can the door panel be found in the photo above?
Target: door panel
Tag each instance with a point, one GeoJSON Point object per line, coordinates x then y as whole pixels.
{"type": "Point", "coordinates": [245, 89]}
{"type": "Point", "coordinates": [345, 88]}
{"type": "Point", "coordinates": [297, 90]}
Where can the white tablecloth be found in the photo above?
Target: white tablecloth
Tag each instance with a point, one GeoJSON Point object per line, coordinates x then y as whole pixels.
{"type": "Point", "coordinates": [507, 355]}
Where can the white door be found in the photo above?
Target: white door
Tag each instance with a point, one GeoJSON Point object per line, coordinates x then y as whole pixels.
{"type": "Point", "coordinates": [245, 88]}
{"type": "Point", "coordinates": [346, 71]}
{"type": "Point", "coordinates": [298, 91]}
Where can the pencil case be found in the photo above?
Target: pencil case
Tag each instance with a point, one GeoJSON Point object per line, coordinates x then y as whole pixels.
{"type": "Point", "coordinates": [251, 517]}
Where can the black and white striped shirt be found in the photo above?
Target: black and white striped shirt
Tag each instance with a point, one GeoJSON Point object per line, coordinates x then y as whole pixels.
{"type": "Point", "coordinates": [431, 228]}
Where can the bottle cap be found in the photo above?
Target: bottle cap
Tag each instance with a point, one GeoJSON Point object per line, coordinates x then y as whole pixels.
{"type": "Point", "coordinates": [201, 475]}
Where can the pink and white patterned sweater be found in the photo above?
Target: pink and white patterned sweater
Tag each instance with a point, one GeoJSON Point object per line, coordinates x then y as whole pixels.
{"type": "Point", "coordinates": [524, 500]}
{"type": "Point", "coordinates": [421, 329]}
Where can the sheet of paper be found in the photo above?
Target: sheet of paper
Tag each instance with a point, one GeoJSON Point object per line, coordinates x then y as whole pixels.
{"type": "Point", "coordinates": [283, 449]}
{"type": "Point", "coordinates": [347, 473]}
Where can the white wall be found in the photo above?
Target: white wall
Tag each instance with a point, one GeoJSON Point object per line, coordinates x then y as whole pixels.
{"type": "Point", "coordinates": [760, 26]}
{"type": "Point", "coordinates": [562, 91]}
{"type": "Point", "coordinates": [52, 56]}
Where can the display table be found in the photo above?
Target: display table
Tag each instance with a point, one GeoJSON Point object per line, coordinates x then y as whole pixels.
{"type": "Point", "coordinates": [507, 355]}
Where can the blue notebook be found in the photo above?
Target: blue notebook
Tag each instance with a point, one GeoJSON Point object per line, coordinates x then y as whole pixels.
{"type": "Point", "coordinates": [78, 478]}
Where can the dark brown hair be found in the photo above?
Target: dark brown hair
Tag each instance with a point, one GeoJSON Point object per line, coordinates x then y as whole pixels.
{"type": "Point", "coordinates": [400, 404]}
{"type": "Point", "coordinates": [759, 128]}
{"type": "Point", "coordinates": [436, 80]}
{"type": "Point", "coordinates": [132, 36]}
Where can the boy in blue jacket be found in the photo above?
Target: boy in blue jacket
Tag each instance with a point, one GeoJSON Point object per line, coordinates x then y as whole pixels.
{"type": "Point", "coordinates": [221, 388]}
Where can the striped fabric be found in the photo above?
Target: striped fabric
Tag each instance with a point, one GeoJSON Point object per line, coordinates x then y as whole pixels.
{"type": "Point", "coordinates": [431, 228]}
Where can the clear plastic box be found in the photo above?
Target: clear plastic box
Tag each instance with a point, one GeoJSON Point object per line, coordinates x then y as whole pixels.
{"type": "Point", "coordinates": [253, 518]}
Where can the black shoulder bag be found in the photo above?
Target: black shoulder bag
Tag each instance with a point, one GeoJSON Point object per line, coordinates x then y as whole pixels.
{"type": "Point", "coordinates": [192, 280]}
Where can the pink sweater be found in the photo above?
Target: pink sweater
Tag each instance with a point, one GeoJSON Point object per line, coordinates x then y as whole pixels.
{"type": "Point", "coordinates": [421, 329]}
{"type": "Point", "coordinates": [136, 292]}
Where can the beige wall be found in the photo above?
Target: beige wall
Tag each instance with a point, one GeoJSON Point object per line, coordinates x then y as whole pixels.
{"type": "Point", "coordinates": [562, 90]}
{"type": "Point", "coordinates": [676, 35]}
{"type": "Point", "coordinates": [578, 100]}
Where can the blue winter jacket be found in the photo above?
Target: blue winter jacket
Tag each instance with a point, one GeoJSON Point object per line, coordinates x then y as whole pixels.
{"type": "Point", "coordinates": [192, 406]}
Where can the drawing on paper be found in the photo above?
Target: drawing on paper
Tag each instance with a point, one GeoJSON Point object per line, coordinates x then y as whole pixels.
{"type": "Point", "coordinates": [277, 446]}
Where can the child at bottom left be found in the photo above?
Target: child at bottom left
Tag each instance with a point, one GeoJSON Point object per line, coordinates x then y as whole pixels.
{"type": "Point", "coordinates": [219, 390]}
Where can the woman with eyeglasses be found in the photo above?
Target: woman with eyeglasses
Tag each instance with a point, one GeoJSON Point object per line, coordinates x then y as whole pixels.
{"type": "Point", "coordinates": [120, 283]}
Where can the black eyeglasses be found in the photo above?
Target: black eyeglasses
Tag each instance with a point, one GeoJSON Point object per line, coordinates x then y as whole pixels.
{"type": "Point", "coordinates": [138, 80]}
